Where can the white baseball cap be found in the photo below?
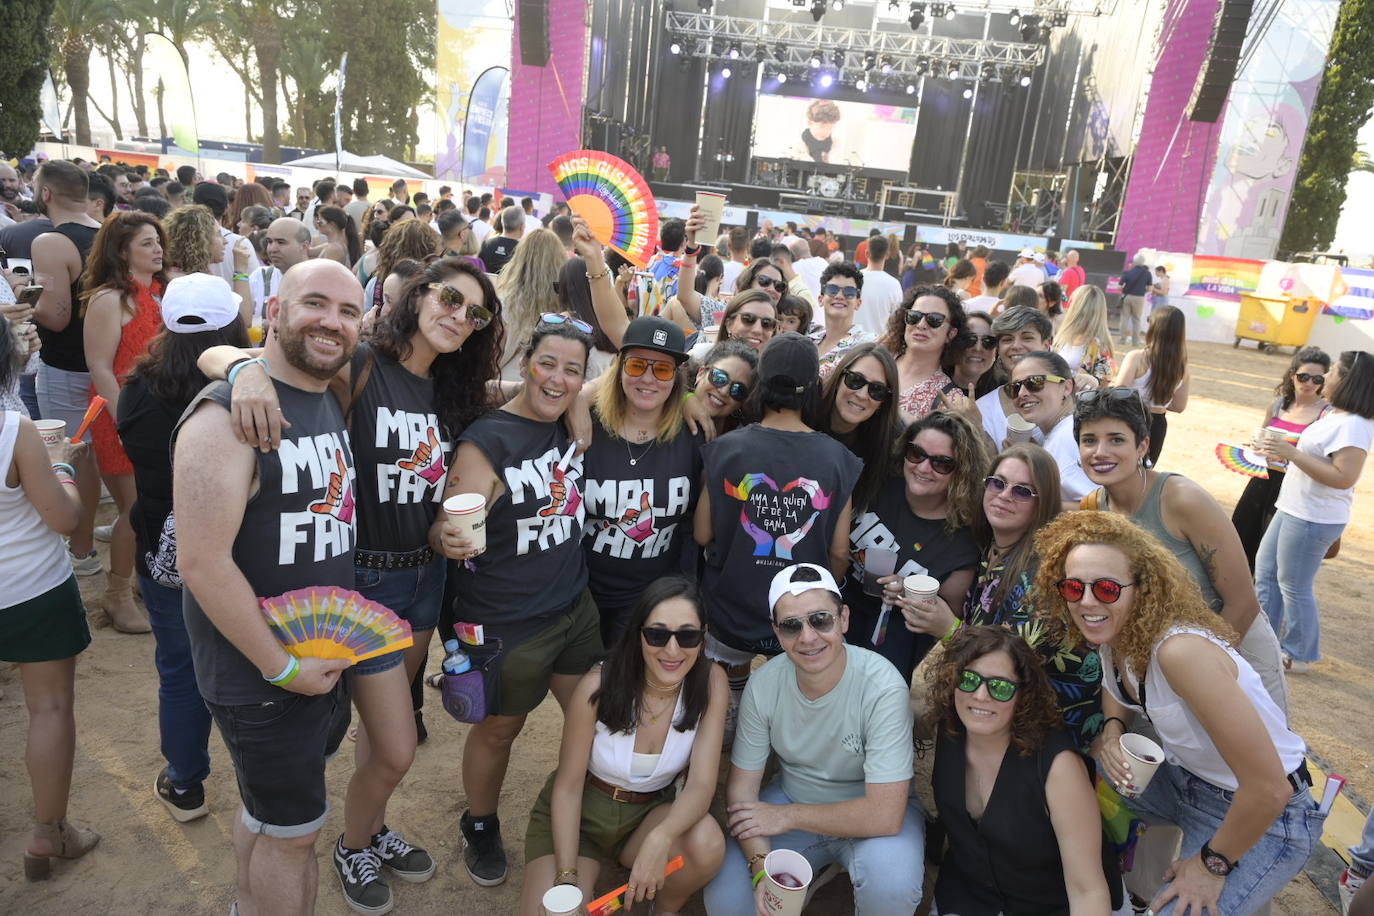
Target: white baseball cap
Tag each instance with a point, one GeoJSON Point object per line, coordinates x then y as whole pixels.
{"type": "Point", "coordinates": [1027, 253]}
{"type": "Point", "coordinates": [198, 302]}
{"type": "Point", "coordinates": [784, 583]}
{"type": "Point", "coordinates": [1038, 257]}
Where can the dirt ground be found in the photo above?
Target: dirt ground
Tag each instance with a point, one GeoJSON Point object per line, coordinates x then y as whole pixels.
{"type": "Point", "coordinates": [148, 864]}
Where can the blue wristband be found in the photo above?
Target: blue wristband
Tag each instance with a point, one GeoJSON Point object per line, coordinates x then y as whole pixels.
{"type": "Point", "coordinates": [288, 674]}
{"type": "Point", "coordinates": [234, 369]}
{"type": "Point", "coordinates": [63, 466]}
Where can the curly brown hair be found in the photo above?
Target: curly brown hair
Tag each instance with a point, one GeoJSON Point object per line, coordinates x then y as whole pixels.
{"type": "Point", "coordinates": [1037, 711]}
{"type": "Point", "coordinates": [1165, 594]}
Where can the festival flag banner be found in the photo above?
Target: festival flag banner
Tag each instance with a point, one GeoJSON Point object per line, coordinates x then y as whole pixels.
{"type": "Point", "coordinates": [162, 61]}
{"type": "Point", "coordinates": [1223, 278]}
{"type": "Point", "coordinates": [1353, 297]}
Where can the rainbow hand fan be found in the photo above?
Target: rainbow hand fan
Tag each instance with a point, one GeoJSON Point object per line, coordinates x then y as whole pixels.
{"type": "Point", "coordinates": [1243, 460]}
{"type": "Point", "coordinates": [613, 198]}
{"type": "Point", "coordinates": [333, 622]}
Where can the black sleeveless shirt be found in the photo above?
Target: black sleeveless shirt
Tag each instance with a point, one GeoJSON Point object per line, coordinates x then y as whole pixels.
{"type": "Point", "coordinates": [297, 531]}
{"type": "Point", "coordinates": [66, 349]}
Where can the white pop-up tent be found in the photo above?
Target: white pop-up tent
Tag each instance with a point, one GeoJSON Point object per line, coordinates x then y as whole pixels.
{"type": "Point", "coordinates": [368, 165]}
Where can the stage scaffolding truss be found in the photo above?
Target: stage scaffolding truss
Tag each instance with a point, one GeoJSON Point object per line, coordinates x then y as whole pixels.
{"type": "Point", "coordinates": [1034, 202]}
{"type": "Point", "coordinates": [798, 47]}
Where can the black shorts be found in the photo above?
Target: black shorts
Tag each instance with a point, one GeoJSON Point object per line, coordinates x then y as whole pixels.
{"type": "Point", "coordinates": [279, 749]}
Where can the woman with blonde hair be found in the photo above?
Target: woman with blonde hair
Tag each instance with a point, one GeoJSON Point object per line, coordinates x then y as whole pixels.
{"type": "Point", "coordinates": [1083, 339]}
{"type": "Point", "coordinates": [1234, 778]}
{"type": "Point", "coordinates": [193, 241]}
{"type": "Point", "coordinates": [527, 286]}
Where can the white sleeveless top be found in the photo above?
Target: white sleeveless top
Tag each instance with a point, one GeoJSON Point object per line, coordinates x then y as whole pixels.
{"type": "Point", "coordinates": [1186, 743]}
{"type": "Point", "coordinates": [613, 756]}
{"type": "Point", "coordinates": [32, 557]}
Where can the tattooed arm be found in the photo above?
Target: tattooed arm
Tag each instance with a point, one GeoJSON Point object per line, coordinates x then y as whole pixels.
{"type": "Point", "coordinates": [1191, 512]}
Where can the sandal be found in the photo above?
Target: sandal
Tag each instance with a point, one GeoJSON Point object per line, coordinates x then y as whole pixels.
{"type": "Point", "coordinates": [67, 842]}
{"type": "Point", "coordinates": [435, 680]}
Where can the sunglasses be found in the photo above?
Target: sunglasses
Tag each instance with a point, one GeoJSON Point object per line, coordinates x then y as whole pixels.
{"type": "Point", "coordinates": [834, 289]}
{"type": "Point", "coordinates": [1318, 380]}
{"type": "Point", "coordinates": [719, 378]}
{"type": "Point", "coordinates": [820, 621]}
{"type": "Point", "coordinates": [999, 688]}
{"type": "Point", "coordinates": [1105, 590]}
{"type": "Point", "coordinates": [933, 320]}
{"type": "Point", "coordinates": [995, 484]}
{"type": "Point", "coordinates": [988, 341]}
{"type": "Point", "coordinates": [1033, 383]}
{"type": "Point", "coordinates": [854, 381]}
{"type": "Point", "coordinates": [749, 319]}
{"type": "Point", "coordinates": [1110, 394]}
{"type": "Point", "coordinates": [687, 637]}
{"type": "Point", "coordinates": [635, 366]}
{"type": "Point", "coordinates": [479, 316]}
{"type": "Point", "coordinates": [943, 465]}
{"type": "Point", "coordinates": [769, 283]}
{"type": "Point", "coordinates": [555, 318]}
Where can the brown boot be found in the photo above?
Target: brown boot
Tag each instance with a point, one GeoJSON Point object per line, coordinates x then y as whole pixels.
{"type": "Point", "coordinates": [67, 842]}
{"type": "Point", "coordinates": [118, 602]}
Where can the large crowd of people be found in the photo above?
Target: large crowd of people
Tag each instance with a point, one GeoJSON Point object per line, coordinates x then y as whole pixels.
{"type": "Point", "coordinates": [733, 501]}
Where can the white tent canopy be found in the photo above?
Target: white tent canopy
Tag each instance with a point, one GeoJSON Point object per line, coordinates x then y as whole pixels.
{"type": "Point", "coordinates": [370, 165]}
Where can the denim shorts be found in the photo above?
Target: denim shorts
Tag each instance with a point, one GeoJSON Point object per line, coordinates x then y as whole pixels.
{"type": "Point", "coordinates": [279, 749]}
{"type": "Point", "coordinates": [63, 395]}
{"type": "Point", "coordinates": [415, 595]}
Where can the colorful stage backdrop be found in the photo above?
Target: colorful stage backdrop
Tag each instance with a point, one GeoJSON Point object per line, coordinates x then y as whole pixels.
{"type": "Point", "coordinates": [474, 41]}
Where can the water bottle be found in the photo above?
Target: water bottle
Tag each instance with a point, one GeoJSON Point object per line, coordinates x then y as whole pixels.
{"type": "Point", "coordinates": [455, 659]}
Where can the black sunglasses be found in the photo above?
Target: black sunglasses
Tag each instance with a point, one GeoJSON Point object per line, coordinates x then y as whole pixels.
{"type": "Point", "coordinates": [1018, 490]}
{"type": "Point", "coordinates": [988, 340]}
{"type": "Point", "coordinates": [1111, 394]}
{"type": "Point", "coordinates": [999, 688]}
{"type": "Point", "coordinates": [834, 289]}
{"type": "Point", "coordinates": [1032, 383]}
{"type": "Point", "coordinates": [1304, 377]}
{"type": "Point", "coordinates": [769, 283]}
{"type": "Point", "coordinates": [687, 637]}
{"type": "Point", "coordinates": [719, 378]}
{"type": "Point", "coordinates": [820, 621]}
{"type": "Point", "coordinates": [943, 465]}
{"type": "Point", "coordinates": [933, 320]}
{"type": "Point", "coordinates": [1105, 590]}
{"type": "Point", "coordinates": [878, 391]}
{"type": "Point", "coordinates": [749, 319]}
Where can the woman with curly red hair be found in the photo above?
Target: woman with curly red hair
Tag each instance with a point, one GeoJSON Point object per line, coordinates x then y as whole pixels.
{"type": "Point", "coordinates": [1235, 780]}
{"type": "Point", "coordinates": [1013, 793]}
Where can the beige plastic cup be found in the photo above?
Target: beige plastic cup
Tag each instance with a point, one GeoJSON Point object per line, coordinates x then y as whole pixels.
{"type": "Point", "coordinates": [563, 900]}
{"type": "Point", "coordinates": [469, 512]}
{"type": "Point", "coordinates": [921, 588]}
{"type": "Point", "coordinates": [712, 207]}
{"type": "Point", "coordinates": [786, 876]}
{"type": "Point", "coordinates": [710, 333]}
{"type": "Point", "coordinates": [51, 431]}
{"type": "Point", "coordinates": [1019, 429]}
{"type": "Point", "coordinates": [1146, 757]}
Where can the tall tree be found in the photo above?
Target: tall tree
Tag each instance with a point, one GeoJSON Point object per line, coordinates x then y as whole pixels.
{"type": "Point", "coordinates": [1342, 106]}
{"type": "Point", "coordinates": [22, 67]}
{"type": "Point", "coordinates": [77, 26]}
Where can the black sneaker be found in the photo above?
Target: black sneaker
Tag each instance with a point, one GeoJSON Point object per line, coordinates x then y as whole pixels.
{"type": "Point", "coordinates": [421, 733]}
{"type": "Point", "coordinates": [483, 854]}
{"type": "Point", "coordinates": [410, 863]}
{"type": "Point", "coordinates": [184, 806]}
{"type": "Point", "coordinates": [360, 876]}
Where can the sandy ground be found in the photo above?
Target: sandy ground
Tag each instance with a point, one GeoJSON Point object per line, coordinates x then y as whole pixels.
{"type": "Point", "coordinates": [147, 863]}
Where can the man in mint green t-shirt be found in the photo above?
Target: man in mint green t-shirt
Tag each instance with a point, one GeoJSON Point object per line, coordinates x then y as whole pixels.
{"type": "Point", "coordinates": [839, 719]}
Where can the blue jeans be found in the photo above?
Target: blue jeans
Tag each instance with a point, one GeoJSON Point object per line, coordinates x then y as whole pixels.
{"type": "Point", "coordinates": [414, 595]}
{"type": "Point", "coordinates": [1362, 856]}
{"type": "Point", "coordinates": [887, 871]}
{"type": "Point", "coordinates": [28, 393]}
{"type": "Point", "coordinates": [1176, 796]}
{"type": "Point", "coordinates": [1285, 570]}
{"type": "Point", "coordinates": [182, 717]}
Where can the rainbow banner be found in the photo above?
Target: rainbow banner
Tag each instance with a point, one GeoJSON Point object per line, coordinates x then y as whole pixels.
{"type": "Point", "coordinates": [1223, 278]}
{"type": "Point", "coordinates": [613, 198]}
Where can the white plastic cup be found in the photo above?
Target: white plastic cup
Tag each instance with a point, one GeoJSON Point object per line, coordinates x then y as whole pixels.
{"type": "Point", "coordinates": [780, 896]}
{"type": "Point", "coordinates": [710, 333]}
{"type": "Point", "coordinates": [468, 511]}
{"type": "Point", "coordinates": [877, 563]}
{"type": "Point", "coordinates": [51, 431]}
{"type": "Point", "coordinates": [563, 900]}
{"type": "Point", "coordinates": [1146, 758]}
{"type": "Point", "coordinates": [712, 207]}
{"type": "Point", "coordinates": [1019, 429]}
{"type": "Point", "coordinates": [921, 588]}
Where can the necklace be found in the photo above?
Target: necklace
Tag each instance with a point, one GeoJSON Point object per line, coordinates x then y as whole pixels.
{"type": "Point", "coordinates": [655, 716]}
{"type": "Point", "coordinates": [636, 459]}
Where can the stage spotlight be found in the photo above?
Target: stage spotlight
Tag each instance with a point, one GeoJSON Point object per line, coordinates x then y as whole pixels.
{"type": "Point", "coordinates": [987, 71]}
{"type": "Point", "coordinates": [922, 65]}
{"type": "Point", "coordinates": [705, 5]}
{"type": "Point", "coordinates": [780, 51]}
{"type": "Point", "coordinates": [917, 17]}
{"type": "Point", "coordinates": [1015, 17]}
{"type": "Point", "coordinates": [826, 80]}
{"type": "Point", "coordinates": [1060, 19]}
{"type": "Point", "coordinates": [1045, 32]}
{"type": "Point", "coordinates": [950, 13]}
{"type": "Point", "coordinates": [782, 77]}
{"type": "Point", "coordinates": [817, 9]}
{"type": "Point", "coordinates": [733, 53]}
{"type": "Point", "coordinates": [837, 59]}
{"type": "Point", "coordinates": [910, 88]}
{"type": "Point", "coordinates": [725, 72]}
{"type": "Point", "coordinates": [887, 64]}
{"type": "Point", "coordinates": [837, 5]}
{"type": "Point", "coordinates": [815, 59]}
{"type": "Point", "coordinates": [937, 10]}
{"type": "Point", "coordinates": [1029, 26]}
{"type": "Point", "coordinates": [675, 48]}
{"type": "Point", "coordinates": [870, 60]}
{"type": "Point", "coordinates": [953, 71]}
{"type": "Point", "coordinates": [968, 93]}
{"type": "Point", "coordinates": [861, 84]}
{"type": "Point", "coordinates": [1025, 80]}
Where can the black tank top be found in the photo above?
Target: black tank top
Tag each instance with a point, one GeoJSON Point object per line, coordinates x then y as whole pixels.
{"type": "Point", "coordinates": [297, 531]}
{"type": "Point", "coordinates": [66, 349]}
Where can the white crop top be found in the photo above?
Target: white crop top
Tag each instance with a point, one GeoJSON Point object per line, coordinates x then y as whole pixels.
{"type": "Point", "coordinates": [614, 760]}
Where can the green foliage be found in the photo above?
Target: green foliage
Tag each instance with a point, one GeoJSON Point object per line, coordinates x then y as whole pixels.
{"type": "Point", "coordinates": [1342, 106]}
{"type": "Point", "coordinates": [22, 67]}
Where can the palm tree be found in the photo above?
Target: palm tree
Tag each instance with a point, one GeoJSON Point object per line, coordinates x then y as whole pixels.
{"type": "Point", "coordinates": [1361, 161]}
{"type": "Point", "coordinates": [77, 26]}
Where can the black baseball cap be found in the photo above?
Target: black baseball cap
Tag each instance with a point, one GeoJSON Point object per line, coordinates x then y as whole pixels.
{"type": "Point", "coordinates": [651, 332]}
{"type": "Point", "coordinates": [789, 361]}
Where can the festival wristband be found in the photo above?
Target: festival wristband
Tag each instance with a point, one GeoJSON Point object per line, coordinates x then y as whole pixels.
{"type": "Point", "coordinates": [288, 674]}
{"type": "Point", "coordinates": [238, 277]}
{"type": "Point", "coordinates": [758, 877]}
{"type": "Point", "coordinates": [953, 628]}
{"type": "Point", "coordinates": [234, 369]}
{"type": "Point", "coordinates": [63, 466]}
{"type": "Point", "coordinates": [1121, 722]}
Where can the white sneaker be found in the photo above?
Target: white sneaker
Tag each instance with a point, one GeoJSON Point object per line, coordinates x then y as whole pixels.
{"type": "Point", "coordinates": [89, 565]}
{"type": "Point", "coordinates": [1346, 889]}
{"type": "Point", "coordinates": [104, 533]}
{"type": "Point", "coordinates": [1293, 666]}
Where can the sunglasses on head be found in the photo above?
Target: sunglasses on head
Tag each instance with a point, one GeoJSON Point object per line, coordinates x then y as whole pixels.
{"type": "Point", "coordinates": [687, 637]}
{"type": "Point", "coordinates": [943, 465]}
{"type": "Point", "coordinates": [1105, 590]}
{"type": "Point", "coordinates": [719, 378]}
{"type": "Point", "coordinates": [1019, 491]}
{"type": "Point", "coordinates": [769, 283]}
{"type": "Point", "coordinates": [1304, 377]}
{"type": "Point", "coordinates": [854, 381]}
{"type": "Point", "coordinates": [1110, 394]}
{"type": "Point", "coordinates": [820, 621]}
{"type": "Point", "coordinates": [750, 319]}
{"type": "Point", "coordinates": [999, 688]}
{"type": "Point", "coordinates": [555, 318]}
{"type": "Point", "coordinates": [834, 289]}
{"type": "Point", "coordinates": [479, 316]}
{"type": "Point", "coordinates": [635, 366]}
{"type": "Point", "coordinates": [933, 320]}
{"type": "Point", "coordinates": [1032, 383]}
{"type": "Point", "coordinates": [988, 341]}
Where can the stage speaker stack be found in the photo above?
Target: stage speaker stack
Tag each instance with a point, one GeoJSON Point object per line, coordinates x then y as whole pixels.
{"type": "Point", "coordinates": [1218, 70]}
{"type": "Point", "coordinates": [534, 33]}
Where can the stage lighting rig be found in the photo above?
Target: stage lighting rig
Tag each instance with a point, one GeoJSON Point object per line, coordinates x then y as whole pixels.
{"type": "Point", "coordinates": [817, 9]}
{"type": "Point", "coordinates": [733, 52]}
{"type": "Point", "coordinates": [675, 47]}
{"type": "Point", "coordinates": [1060, 19]}
{"type": "Point", "coordinates": [1045, 32]}
{"type": "Point", "coordinates": [1029, 26]}
{"type": "Point", "coordinates": [780, 51]}
{"type": "Point", "coordinates": [837, 59]}
{"type": "Point", "coordinates": [1015, 17]}
{"type": "Point", "coordinates": [825, 80]}
{"type": "Point", "coordinates": [910, 88]}
{"type": "Point", "coordinates": [987, 71]}
{"type": "Point", "coordinates": [937, 10]}
{"type": "Point", "coordinates": [918, 16]}
{"type": "Point", "coordinates": [953, 72]}
{"type": "Point", "coordinates": [782, 77]}
{"type": "Point", "coordinates": [816, 59]}
{"type": "Point", "coordinates": [1024, 80]}
{"type": "Point", "coordinates": [861, 84]}
{"type": "Point", "coordinates": [704, 5]}
{"type": "Point", "coordinates": [922, 65]}
{"type": "Point", "coordinates": [870, 60]}
{"type": "Point", "coordinates": [968, 93]}
{"type": "Point", "coordinates": [726, 72]}
{"type": "Point", "coordinates": [886, 64]}
{"type": "Point", "coordinates": [950, 12]}
{"type": "Point", "coordinates": [837, 5]}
